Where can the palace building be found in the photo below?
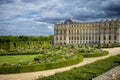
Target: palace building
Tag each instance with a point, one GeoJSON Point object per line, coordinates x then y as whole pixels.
{"type": "Point", "coordinates": [102, 32]}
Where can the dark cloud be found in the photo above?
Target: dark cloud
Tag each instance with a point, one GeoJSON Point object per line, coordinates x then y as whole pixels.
{"type": "Point", "coordinates": [32, 1]}
{"type": "Point", "coordinates": [47, 12]}
{"type": "Point", "coordinates": [53, 21]}
{"type": "Point", "coordinates": [6, 1]}
{"type": "Point", "coordinates": [111, 8]}
{"type": "Point", "coordinates": [111, 5]}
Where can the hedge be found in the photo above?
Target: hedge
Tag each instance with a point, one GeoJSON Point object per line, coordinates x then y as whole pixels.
{"type": "Point", "coordinates": [21, 53]}
{"type": "Point", "coordinates": [23, 45]}
{"type": "Point", "coordinates": [39, 67]}
{"type": "Point", "coordinates": [86, 72]}
{"type": "Point", "coordinates": [87, 55]}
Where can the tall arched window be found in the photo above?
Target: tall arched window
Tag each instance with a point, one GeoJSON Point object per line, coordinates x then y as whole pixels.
{"type": "Point", "coordinates": [104, 38]}
{"type": "Point", "coordinates": [109, 37]}
{"type": "Point", "coordinates": [77, 32]}
{"type": "Point", "coordinates": [115, 37]}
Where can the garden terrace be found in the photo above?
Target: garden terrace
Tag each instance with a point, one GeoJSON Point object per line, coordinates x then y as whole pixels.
{"type": "Point", "coordinates": [34, 75]}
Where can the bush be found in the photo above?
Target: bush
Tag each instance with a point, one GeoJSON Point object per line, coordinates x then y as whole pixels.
{"type": "Point", "coordinates": [103, 53]}
{"type": "Point", "coordinates": [38, 67]}
{"type": "Point", "coordinates": [111, 45]}
{"type": "Point", "coordinates": [21, 53]}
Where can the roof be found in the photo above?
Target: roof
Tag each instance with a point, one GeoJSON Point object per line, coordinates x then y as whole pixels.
{"type": "Point", "coordinates": [68, 21]}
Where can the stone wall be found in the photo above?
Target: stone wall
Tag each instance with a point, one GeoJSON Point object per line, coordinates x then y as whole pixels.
{"type": "Point", "coordinates": [113, 74]}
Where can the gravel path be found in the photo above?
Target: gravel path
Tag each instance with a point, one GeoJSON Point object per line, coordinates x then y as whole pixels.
{"type": "Point", "coordinates": [34, 75]}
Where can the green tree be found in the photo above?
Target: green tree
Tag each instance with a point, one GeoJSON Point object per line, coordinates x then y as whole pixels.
{"type": "Point", "coordinates": [50, 37]}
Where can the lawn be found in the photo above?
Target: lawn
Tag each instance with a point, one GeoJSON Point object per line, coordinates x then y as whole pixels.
{"type": "Point", "coordinates": [16, 58]}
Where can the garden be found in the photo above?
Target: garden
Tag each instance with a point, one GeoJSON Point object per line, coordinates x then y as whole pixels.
{"type": "Point", "coordinates": [86, 72]}
{"type": "Point", "coordinates": [45, 58]}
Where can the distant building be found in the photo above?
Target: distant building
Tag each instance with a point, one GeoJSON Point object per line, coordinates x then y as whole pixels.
{"type": "Point", "coordinates": [101, 32]}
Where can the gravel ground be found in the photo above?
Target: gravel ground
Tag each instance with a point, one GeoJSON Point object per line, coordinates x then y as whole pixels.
{"type": "Point", "coordinates": [34, 75]}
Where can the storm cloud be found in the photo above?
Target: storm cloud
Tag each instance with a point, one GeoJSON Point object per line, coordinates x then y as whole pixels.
{"type": "Point", "coordinates": [37, 17]}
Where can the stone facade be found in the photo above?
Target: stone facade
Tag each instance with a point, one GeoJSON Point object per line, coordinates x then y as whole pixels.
{"type": "Point", "coordinates": [101, 32]}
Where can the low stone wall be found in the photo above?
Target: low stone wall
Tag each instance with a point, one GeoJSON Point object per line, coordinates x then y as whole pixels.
{"type": "Point", "coordinates": [113, 74]}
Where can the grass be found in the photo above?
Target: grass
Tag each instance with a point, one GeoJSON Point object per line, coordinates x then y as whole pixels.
{"type": "Point", "coordinates": [16, 58]}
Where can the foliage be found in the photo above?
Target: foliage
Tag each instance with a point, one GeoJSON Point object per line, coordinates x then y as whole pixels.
{"type": "Point", "coordinates": [60, 55]}
{"type": "Point", "coordinates": [20, 53]}
{"type": "Point", "coordinates": [86, 72]}
{"type": "Point", "coordinates": [24, 45]}
{"type": "Point", "coordinates": [95, 54]}
{"type": "Point", "coordinates": [109, 45]}
{"type": "Point", "coordinates": [26, 38]}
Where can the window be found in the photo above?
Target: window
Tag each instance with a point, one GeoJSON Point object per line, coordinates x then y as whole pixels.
{"type": "Point", "coordinates": [64, 38]}
{"type": "Point", "coordinates": [109, 30]}
{"type": "Point", "coordinates": [60, 38]}
{"type": "Point", "coordinates": [77, 38]}
{"type": "Point", "coordinates": [109, 37]}
{"type": "Point", "coordinates": [115, 37]}
{"type": "Point", "coordinates": [77, 31]}
{"type": "Point", "coordinates": [115, 30]}
{"type": "Point", "coordinates": [72, 38]}
{"type": "Point", "coordinates": [56, 38]}
{"type": "Point", "coordinates": [56, 32]}
{"type": "Point", "coordinates": [110, 24]}
{"type": "Point", "coordinates": [72, 25]}
{"type": "Point", "coordinates": [92, 37]}
{"type": "Point", "coordinates": [104, 31]}
{"type": "Point", "coordinates": [104, 38]}
{"type": "Point", "coordinates": [60, 32]}
{"type": "Point", "coordinates": [89, 37]}
{"type": "Point", "coordinates": [69, 31]}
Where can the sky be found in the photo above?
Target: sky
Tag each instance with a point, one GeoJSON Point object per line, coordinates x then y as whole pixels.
{"type": "Point", "coordinates": [37, 17]}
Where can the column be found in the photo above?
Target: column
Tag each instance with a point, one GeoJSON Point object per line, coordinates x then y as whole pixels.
{"type": "Point", "coordinates": [67, 36]}
{"type": "Point", "coordinates": [118, 34]}
{"type": "Point", "coordinates": [76, 36]}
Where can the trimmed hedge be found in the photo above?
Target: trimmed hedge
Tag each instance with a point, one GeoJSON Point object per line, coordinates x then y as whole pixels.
{"type": "Point", "coordinates": [38, 67]}
{"type": "Point", "coordinates": [22, 45]}
{"type": "Point", "coordinates": [86, 72]}
{"type": "Point", "coordinates": [111, 45]}
{"type": "Point", "coordinates": [20, 53]}
{"type": "Point", "coordinates": [103, 53]}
